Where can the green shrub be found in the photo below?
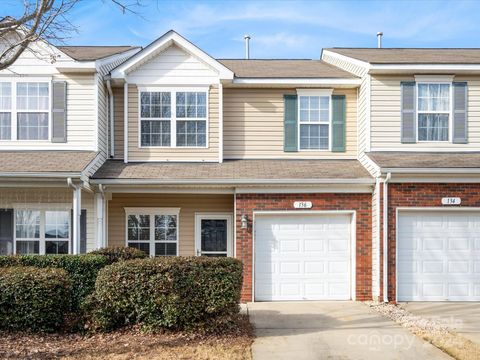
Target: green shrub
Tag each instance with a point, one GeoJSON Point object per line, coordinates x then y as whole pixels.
{"type": "Point", "coordinates": [81, 269]}
{"type": "Point", "coordinates": [120, 253]}
{"type": "Point", "coordinates": [177, 293]}
{"type": "Point", "coordinates": [33, 299]}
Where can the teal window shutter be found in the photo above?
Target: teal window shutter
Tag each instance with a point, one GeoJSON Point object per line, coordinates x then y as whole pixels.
{"type": "Point", "coordinates": [290, 123]}
{"type": "Point", "coordinates": [338, 123]}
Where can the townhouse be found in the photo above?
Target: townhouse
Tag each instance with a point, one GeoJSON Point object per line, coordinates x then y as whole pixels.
{"type": "Point", "coordinates": [287, 165]}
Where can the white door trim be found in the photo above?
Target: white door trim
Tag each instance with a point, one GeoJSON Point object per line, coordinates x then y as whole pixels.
{"type": "Point", "coordinates": [420, 209]}
{"type": "Point", "coordinates": [199, 216]}
{"type": "Point", "coordinates": [353, 236]}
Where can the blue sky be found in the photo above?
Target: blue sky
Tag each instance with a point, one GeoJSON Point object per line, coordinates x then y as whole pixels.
{"type": "Point", "coordinates": [279, 29]}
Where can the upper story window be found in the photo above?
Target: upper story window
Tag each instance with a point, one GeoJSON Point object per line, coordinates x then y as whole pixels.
{"type": "Point", "coordinates": [434, 111]}
{"type": "Point", "coordinates": [314, 121]}
{"type": "Point", "coordinates": [24, 110]}
{"type": "Point", "coordinates": [173, 118]}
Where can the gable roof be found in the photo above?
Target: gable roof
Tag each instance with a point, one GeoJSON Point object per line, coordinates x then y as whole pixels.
{"type": "Point", "coordinates": [92, 53]}
{"type": "Point", "coordinates": [164, 42]}
{"type": "Point", "coordinates": [411, 55]}
{"type": "Point", "coordinates": [284, 68]}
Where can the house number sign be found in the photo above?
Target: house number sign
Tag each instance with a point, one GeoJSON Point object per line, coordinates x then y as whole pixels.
{"type": "Point", "coordinates": [302, 204]}
{"type": "Point", "coordinates": [451, 201]}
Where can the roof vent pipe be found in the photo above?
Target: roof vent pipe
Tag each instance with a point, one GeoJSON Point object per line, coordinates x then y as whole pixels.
{"type": "Point", "coordinates": [379, 39]}
{"type": "Point", "coordinates": [247, 46]}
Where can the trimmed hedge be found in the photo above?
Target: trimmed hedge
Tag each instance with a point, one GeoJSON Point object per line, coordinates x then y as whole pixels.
{"type": "Point", "coordinates": [81, 269]}
{"type": "Point", "coordinates": [171, 292]}
{"type": "Point", "coordinates": [119, 253]}
{"type": "Point", "coordinates": [33, 299]}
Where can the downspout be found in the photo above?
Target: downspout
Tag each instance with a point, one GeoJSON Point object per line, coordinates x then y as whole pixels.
{"type": "Point", "coordinates": [125, 123]}
{"type": "Point", "coordinates": [112, 119]}
{"type": "Point", "coordinates": [385, 237]}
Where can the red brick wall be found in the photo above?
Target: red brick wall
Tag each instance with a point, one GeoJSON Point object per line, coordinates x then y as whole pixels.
{"type": "Point", "coordinates": [361, 203]}
{"type": "Point", "coordinates": [421, 195]}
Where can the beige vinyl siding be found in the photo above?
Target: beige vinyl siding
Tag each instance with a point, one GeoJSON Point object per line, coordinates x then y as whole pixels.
{"type": "Point", "coordinates": [173, 66]}
{"type": "Point", "coordinates": [9, 197]}
{"type": "Point", "coordinates": [136, 153]}
{"type": "Point", "coordinates": [253, 124]}
{"type": "Point", "coordinates": [80, 117]}
{"type": "Point", "coordinates": [386, 115]}
{"type": "Point", "coordinates": [189, 204]}
{"type": "Point", "coordinates": [118, 122]}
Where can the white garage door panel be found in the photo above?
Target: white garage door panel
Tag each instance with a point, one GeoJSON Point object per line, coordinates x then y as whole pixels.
{"type": "Point", "coordinates": [438, 256]}
{"type": "Point", "coordinates": [302, 257]}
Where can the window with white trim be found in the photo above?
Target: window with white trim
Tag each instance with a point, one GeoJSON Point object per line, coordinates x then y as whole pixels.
{"type": "Point", "coordinates": [5, 111]}
{"type": "Point", "coordinates": [153, 231]}
{"type": "Point", "coordinates": [24, 110]}
{"type": "Point", "coordinates": [191, 111]}
{"type": "Point", "coordinates": [42, 231]}
{"type": "Point", "coordinates": [434, 111]}
{"type": "Point", "coordinates": [314, 122]}
{"type": "Point", "coordinates": [155, 118]}
{"type": "Point", "coordinates": [173, 118]}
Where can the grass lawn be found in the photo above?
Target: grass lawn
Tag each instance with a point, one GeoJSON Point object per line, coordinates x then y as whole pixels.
{"type": "Point", "coordinates": [129, 344]}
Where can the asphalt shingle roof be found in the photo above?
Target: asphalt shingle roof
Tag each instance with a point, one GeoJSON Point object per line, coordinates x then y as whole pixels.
{"type": "Point", "coordinates": [91, 53]}
{"type": "Point", "coordinates": [406, 159]}
{"type": "Point", "coordinates": [411, 56]}
{"type": "Point", "coordinates": [45, 161]}
{"type": "Point", "coordinates": [236, 170]}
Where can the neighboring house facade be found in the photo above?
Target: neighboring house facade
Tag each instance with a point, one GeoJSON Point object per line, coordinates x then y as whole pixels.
{"type": "Point", "coordinates": [280, 163]}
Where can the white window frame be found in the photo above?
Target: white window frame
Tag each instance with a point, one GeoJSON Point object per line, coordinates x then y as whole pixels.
{"type": "Point", "coordinates": [173, 119]}
{"type": "Point", "coordinates": [450, 112]}
{"type": "Point", "coordinates": [152, 212]}
{"type": "Point", "coordinates": [213, 216]}
{"type": "Point", "coordinates": [321, 93]}
{"type": "Point", "coordinates": [14, 112]}
{"type": "Point", "coordinates": [42, 208]}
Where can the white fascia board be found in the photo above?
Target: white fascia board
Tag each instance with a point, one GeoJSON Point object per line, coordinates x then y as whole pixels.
{"type": "Point", "coordinates": [431, 170]}
{"type": "Point", "coordinates": [77, 66]}
{"type": "Point", "coordinates": [349, 59]}
{"type": "Point", "coordinates": [231, 182]}
{"type": "Point", "coordinates": [164, 42]}
{"type": "Point", "coordinates": [40, 175]}
{"type": "Point", "coordinates": [381, 68]}
{"type": "Point", "coordinates": [297, 81]}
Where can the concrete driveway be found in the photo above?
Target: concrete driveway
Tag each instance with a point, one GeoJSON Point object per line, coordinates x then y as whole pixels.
{"type": "Point", "coordinates": [331, 330]}
{"type": "Point", "coordinates": [462, 317]}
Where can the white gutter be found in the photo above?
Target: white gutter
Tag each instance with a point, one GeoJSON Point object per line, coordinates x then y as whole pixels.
{"type": "Point", "coordinates": [40, 175]}
{"type": "Point", "coordinates": [431, 170]}
{"type": "Point", "coordinates": [229, 181]}
{"type": "Point", "coordinates": [427, 67]}
{"type": "Point", "coordinates": [111, 116]}
{"type": "Point", "coordinates": [125, 122]}
{"type": "Point", "coordinates": [385, 237]}
{"type": "Point", "coordinates": [297, 81]}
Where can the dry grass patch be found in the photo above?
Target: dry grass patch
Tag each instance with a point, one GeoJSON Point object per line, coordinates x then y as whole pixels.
{"type": "Point", "coordinates": [129, 344]}
{"type": "Point", "coordinates": [429, 330]}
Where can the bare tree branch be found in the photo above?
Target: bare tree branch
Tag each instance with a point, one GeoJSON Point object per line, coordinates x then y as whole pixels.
{"type": "Point", "coordinates": [46, 20]}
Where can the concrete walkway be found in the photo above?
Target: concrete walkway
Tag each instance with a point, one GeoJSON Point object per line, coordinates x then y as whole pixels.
{"type": "Point", "coordinates": [331, 330]}
{"type": "Point", "coordinates": [461, 317]}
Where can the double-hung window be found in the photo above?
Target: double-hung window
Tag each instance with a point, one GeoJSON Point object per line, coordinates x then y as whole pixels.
{"type": "Point", "coordinates": [434, 111]}
{"type": "Point", "coordinates": [40, 231]}
{"type": "Point", "coordinates": [24, 110]}
{"type": "Point", "coordinates": [173, 118]}
{"type": "Point", "coordinates": [155, 118]}
{"type": "Point", "coordinates": [5, 111]}
{"type": "Point", "coordinates": [154, 231]}
{"type": "Point", "coordinates": [314, 119]}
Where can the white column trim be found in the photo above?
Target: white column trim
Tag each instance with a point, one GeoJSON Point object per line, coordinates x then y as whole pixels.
{"type": "Point", "coordinates": [77, 213]}
{"type": "Point", "coordinates": [220, 122]}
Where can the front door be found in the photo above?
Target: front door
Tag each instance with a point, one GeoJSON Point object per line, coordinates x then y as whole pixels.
{"type": "Point", "coordinates": [213, 234]}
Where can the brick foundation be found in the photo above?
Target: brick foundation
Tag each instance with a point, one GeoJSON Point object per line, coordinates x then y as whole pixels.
{"type": "Point", "coordinates": [361, 203]}
{"type": "Point", "coordinates": [421, 195]}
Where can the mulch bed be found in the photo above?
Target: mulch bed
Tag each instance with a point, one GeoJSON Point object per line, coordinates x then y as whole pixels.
{"type": "Point", "coordinates": [130, 343]}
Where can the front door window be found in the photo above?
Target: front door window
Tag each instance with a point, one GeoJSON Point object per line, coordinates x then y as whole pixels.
{"type": "Point", "coordinates": [214, 235]}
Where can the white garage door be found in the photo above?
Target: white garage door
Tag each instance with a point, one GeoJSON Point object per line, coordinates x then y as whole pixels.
{"type": "Point", "coordinates": [438, 256]}
{"type": "Point", "coordinates": [302, 257]}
